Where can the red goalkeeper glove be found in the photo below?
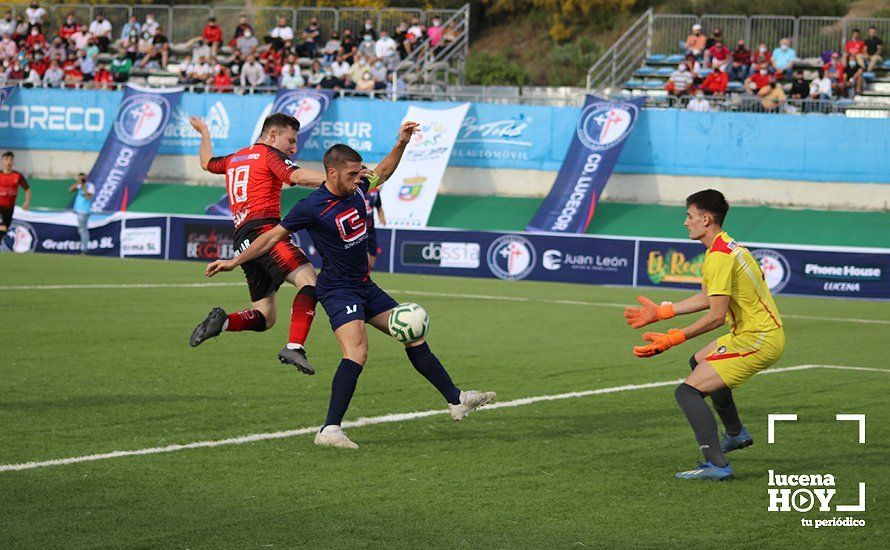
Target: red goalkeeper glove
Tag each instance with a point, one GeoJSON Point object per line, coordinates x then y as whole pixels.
{"type": "Point", "coordinates": [659, 342]}
{"type": "Point", "coordinates": [638, 317]}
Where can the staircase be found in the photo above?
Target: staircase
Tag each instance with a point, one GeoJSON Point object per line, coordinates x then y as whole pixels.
{"type": "Point", "coordinates": [435, 68]}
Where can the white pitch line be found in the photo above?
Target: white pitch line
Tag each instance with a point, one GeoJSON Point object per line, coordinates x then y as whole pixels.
{"type": "Point", "coordinates": [490, 297]}
{"type": "Point", "coordinates": [385, 419]}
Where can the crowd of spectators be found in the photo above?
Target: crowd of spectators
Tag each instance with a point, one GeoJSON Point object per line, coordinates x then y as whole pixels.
{"type": "Point", "coordinates": [95, 54]}
{"type": "Point", "coordinates": [770, 75]}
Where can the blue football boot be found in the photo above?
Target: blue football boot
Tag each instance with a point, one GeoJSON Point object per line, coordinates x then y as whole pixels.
{"type": "Point", "coordinates": [708, 471]}
{"type": "Point", "coordinates": [733, 442]}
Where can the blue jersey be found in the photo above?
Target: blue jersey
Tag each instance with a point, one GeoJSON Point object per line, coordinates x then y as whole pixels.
{"type": "Point", "coordinates": [372, 201]}
{"type": "Point", "coordinates": [338, 227]}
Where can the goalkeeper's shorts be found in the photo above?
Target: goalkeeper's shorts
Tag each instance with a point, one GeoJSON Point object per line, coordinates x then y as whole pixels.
{"type": "Point", "coordinates": [738, 357]}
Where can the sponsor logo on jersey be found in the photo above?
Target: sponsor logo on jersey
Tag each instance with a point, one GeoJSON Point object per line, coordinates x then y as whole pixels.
{"type": "Point", "coordinates": [511, 257]}
{"type": "Point", "coordinates": [351, 225]}
{"type": "Point", "coordinates": [604, 125]}
{"type": "Point", "coordinates": [141, 119]}
{"type": "Point", "coordinates": [775, 267]}
{"type": "Point", "coordinates": [21, 237]}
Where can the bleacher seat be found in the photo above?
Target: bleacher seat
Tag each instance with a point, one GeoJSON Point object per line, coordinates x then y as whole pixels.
{"type": "Point", "coordinates": [675, 58]}
{"type": "Point", "coordinates": [659, 58]}
{"type": "Point", "coordinates": [644, 71]}
{"type": "Point", "coordinates": [664, 71]}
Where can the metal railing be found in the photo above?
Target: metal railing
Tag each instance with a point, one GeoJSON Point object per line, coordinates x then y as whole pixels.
{"type": "Point", "coordinates": [624, 56]}
{"type": "Point", "coordinates": [442, 64]}
{"type": "Point", "coordinates": [752, 104]}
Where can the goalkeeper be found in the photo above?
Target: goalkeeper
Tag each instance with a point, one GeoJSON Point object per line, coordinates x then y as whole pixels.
{"type": "Point", "coordinates": [733, 290]}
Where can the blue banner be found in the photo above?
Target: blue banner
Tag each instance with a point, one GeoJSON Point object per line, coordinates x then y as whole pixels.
{"type": "Point", "coordinates": [306, 105]}
{"type": "Point", "coordinates": [599, 137]}
{"type": "Point", "coordinates": [131, 146]}
{"type": "Point", "coordinates": [5, 92]}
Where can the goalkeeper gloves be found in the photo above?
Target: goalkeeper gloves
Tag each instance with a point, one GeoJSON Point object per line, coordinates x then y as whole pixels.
{"type": "Point", "coordinates": [659, 342]}
{"type": "Point", "coordinates": [638, 317]}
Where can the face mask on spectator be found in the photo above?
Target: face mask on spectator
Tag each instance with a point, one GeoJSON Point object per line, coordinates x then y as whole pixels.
{"type": "Point", "coordinates": [247, 34]}
{"type": "Point", "coordinates": [368, 38]}
{"type": "Point", "coordinates": [682, 67]}
{"type": "Point", "coordinates": [852, 63]}
{"type": "Point", "coordinates": [764, 72]}
{"type": "Point", "coordinates": [369, 26]}
{"type": "Point", "coordinates": [762, 49]}
{"type": "Point", "coordinates": [33, 32]}
{"type": "Point", "coordinates": [699, 95]}
{"type": "Point", "coordinates": [784, 47]}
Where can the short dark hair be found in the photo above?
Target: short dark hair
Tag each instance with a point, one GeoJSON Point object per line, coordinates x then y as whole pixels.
{"type": "Point", "coordinates": [856, 30]}
{"type": "Point", "coordinates": [8, 154]}
{"type": "Point", "coordinates": [711, 201]}
{"type": "Point", "coordinates": [280, 121]}
{"type": "Point", "coordinates": [340, 154]}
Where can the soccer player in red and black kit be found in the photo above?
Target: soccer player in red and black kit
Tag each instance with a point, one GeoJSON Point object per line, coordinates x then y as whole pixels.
{"type": "Point", "coordinates": [254, 176]}
{"type": "Point", "coordinates": [10, 181]}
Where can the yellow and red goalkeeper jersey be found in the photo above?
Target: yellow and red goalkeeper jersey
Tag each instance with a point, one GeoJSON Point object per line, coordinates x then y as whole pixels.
{"type": "Point", "coordinates": [731, 270]}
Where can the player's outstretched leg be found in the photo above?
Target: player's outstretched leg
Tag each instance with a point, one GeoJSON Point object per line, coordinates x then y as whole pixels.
{"type": "Point", "coordinates": [691, 398]}
{"type": "Point", "coordinates": [217, 321]}
{"type": "Point", "coordinates": [460, 403]}
{"type": "Point", "coordinates": [301, 317]}
{"type": "Point", "coordinates": [353, 342]}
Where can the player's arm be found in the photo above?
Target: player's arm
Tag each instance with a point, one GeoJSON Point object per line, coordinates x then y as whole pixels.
{"type": "Point", "coordinates": [261, 245]}
{"type": "Point", "coordinates": [305, 177]}
{"type": "Point", "coordinates": [205, 151]}
{"type": "Point", "coordinates": [27, 204]}
{"type": "Point", "coordinates": [390, 162]}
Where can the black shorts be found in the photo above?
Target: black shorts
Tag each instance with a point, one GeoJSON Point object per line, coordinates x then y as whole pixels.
{"type": "Point", "coordinates": [373, 248]}
{"type": "Point", "coordinates": [266, 274]}
{"type": "Point", "coordinates": [6, 216]}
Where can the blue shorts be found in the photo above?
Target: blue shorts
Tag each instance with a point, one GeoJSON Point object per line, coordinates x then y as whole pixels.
{"type": "Point", "coordinates": [373, 249]}
{"type": "Point", "coordinates": [363, 301]}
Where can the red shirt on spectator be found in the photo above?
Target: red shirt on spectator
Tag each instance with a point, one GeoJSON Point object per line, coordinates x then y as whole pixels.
{"type": "Point", "coordinates": [35, 39]}
{"type": "Point", "coordinates": [40, 67]}
{"type": "Point", "coordinates": [68, 30]}
{"type": "Point", "coordinates": [760, 80]}
{"type": "Point", "coordinates": [855, 47]}
{"type": "Point", "coordinates": [103, 77]}
{"type": "Point", "coordinates": [222, 82]}
{"type": "Point", "coordinates": [716, 82]}
{"type": "Point", "coordinates": [720, 52]}
{"type": "Point", "coordinates": [742, 57]}
{"type": "Point", "coordinates": [761, 58]}
{"type": "Point", "coordinates": [834, 67]}
{"type": "Point", "coordinates": [212, 33]}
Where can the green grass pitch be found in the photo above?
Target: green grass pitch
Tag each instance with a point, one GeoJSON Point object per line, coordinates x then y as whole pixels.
{"type": "Point", "coordinates": [96, 370]}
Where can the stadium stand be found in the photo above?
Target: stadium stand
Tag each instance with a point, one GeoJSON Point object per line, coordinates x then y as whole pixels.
{"type": "Point", "coordinates": [231, 49]}
{"type": "Point", "coordinates": [757, 63]}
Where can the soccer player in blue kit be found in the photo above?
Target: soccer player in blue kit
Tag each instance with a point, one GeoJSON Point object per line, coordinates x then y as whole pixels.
{"type": "Point", "coordinates": [336, 217]}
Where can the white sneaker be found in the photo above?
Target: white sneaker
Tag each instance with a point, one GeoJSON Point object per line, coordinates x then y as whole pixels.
{"type": "Point", "coordinates": [470, 401]}
{"type": "Point", "coordinates": [334, 436]}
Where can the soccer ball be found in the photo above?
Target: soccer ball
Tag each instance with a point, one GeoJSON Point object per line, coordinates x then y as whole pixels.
{"type": "Point", "coordinates": [408, 323]}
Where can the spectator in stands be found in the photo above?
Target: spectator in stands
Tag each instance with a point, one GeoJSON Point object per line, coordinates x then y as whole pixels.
{"type": "Point", "coordinates": [87, 65]}
{"type": "Point", "coordinates": [340, 67]}
{"type": "Point", "coordinates": [69, 27]}
{"type": "Point", "coordinates": [235, 65]}
{"type": "Point", "coordinates": [368, 28]}
{"type": "Point", "coordinates": [131, 29]}
{"type": "Point", "coordinates": [758, 81]}
{"type": "Point", "coordinates": [37, 64]}
{"type": "Point", "coordinates": [367, 46]}
{"type": "Point", "coordinates": [694, 69]}
{"type": "Point", "coordinates": [121, 66]}
{"type": "Point", "coordinates": [346, 83]}
{"type": "Point", "coordinates": [874, 49]}
{"type": "Point", "coordinates": [401, 37]}
{"type": "Point", "coordinates": [54, 75]}
{"type": "Point", "coordinates": [855, 48]}
{"type": "Point", "coordinates": [282, 31]}
{"type": "Point", "coordinates": [328, 81]}
{"type": "Point", "coordinates": [253, 74]}
{"type": "Point", "coordinates": [272, 69]}
{"type": "Point", "coordinates": [291, 79]}
{"type": "Point", "coordinates": [366, 84]}
{"type": "Point", "coordinates": [348, 45]}
{"type": "Point", "coordinates": [716, 82]}
{"type": "Point", "coordinates": [434, 32]}
{"type": "Point", "coordinates": [716, 35]}
{"type": "Point", "coordinates": [378, 74]}
{"type": "Point", "coordinates": [34, 78]}
{"type": "Point", "coordinates": [699, 103]}
{"type": "Point", "coordinates": [22, 28]}
{"type": "Point", "coordinates": [695, 42]}
{"type": "Point", "coordinates": [73, 73]}
{"type": "Point", "coordinates": [242, 26]}
{"type": "Point", "coordinates": [199, 71]}
{"type": "Point", "coordinates": [741, 62]}
{"type": "Point", "coordinates": [417, 30]}
{"type": "Point", "coordinates": [247, 43]}
{"type": "Point", "coordinates": [718, 55]}
{"type": "Point", "coordinates": [151, 25]}
{"type": "Point", "coordinates": [680, 82]}
{"type": "Point", "coordinates": [8, 49]}
{"type": "Point", "coordinates": [316, 74]}
{"type": "Point", "coordinates": [800, 87]}
{"type": "Point", "coordinates": [311, 39]}
{"type": "Point", "coordinates": [783, 59]}
{"type": "Point", "coordinates": [772, 97]}
{"type": "Point", "coordinates": [331, 48]}
{"type": "Point", "coordinates": [820, 88]}
{"type": "Point", "coordinates": [853, 71]}
{"type": "Point", "coordinates": [103, 78]}
{"type": "Point", "coordinates": [7, 24]}
{"type": "Point", "coordinates": [159, 52]}
{"type": "Point", "coordinates": [57, 50]}
{"type": "Point", "coordinates": [16, 72]}
{"type": "Point", "coordinates": [35, 15]}
{"type": "Point", "coordinates": [760, 58]}
{"type": "Point", "coordinates": [359, 68]}
{"type": "Point", "coordinates": [35, 39]}
{"type": "Point", "coordinates": [92, 47]}
{"type": "Point", "coordinates": [834, 71]}
{"type": "Point", "coordinates": [100, 28]}
{"type": "Point", "coordinates": [222, 80]}
{"type": "Point", "coordinates": [212, 35]}
{"type": "Point", "coordinates": [385, 48]}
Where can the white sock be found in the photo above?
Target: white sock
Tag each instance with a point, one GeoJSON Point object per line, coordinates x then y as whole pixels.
{"type": "Point", "coordinates": [225, 325]}
{"type": "Point", "coordinates": [291, 345]}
